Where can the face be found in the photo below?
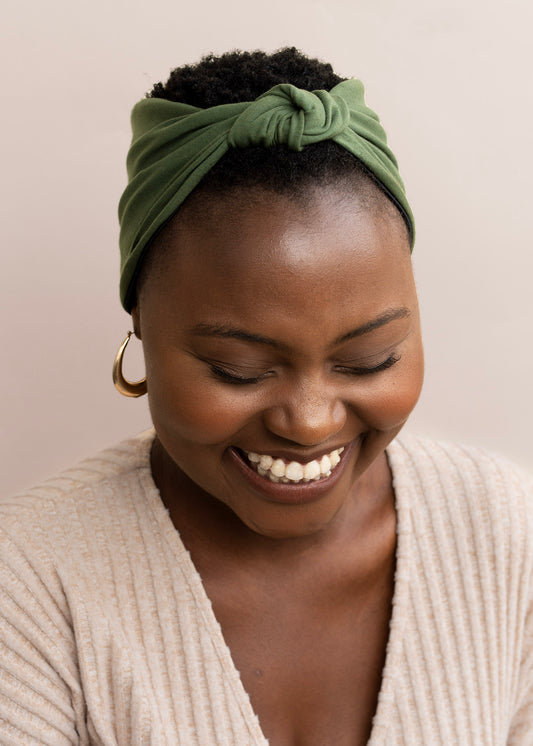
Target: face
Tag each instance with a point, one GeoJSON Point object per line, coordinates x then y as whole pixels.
{"type": "Point", "coordinates": [283, 354]}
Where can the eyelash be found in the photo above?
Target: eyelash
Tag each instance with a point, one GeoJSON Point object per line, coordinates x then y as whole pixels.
{"type": "Point", "coordinates": [230, 378]}
{"type": "Point", "coordinates": [385, 365]}
{"type": "Point", "coordinates": [238, 380]}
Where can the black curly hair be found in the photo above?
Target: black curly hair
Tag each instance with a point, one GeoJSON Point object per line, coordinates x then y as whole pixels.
{"type": "Point", "coordinates": [243, 76]}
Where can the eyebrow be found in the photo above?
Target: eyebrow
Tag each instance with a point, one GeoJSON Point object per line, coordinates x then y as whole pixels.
{"type": "Point", "coordinates": [385, 318]}
{"type": "Point", "coordinates": [229, 332]}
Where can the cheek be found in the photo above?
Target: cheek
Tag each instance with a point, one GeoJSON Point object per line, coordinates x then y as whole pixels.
{"type": "Point", "coordinates": [387, 406]}
{"type": "Point", "coordinates": [197, 410]}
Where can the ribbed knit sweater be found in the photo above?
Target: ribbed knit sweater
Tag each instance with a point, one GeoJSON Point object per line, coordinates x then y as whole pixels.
{"type": "Point", "coordinates": [107, 636]}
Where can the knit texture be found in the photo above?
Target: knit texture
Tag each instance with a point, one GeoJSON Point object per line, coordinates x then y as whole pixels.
{"type": "Point", "coordinates": [107, 636]}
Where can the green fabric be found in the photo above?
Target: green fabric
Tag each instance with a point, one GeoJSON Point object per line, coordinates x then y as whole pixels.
{"type": "Point", "coordinates": [175, 145]}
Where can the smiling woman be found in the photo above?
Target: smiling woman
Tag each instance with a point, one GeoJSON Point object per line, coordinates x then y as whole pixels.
{"type": "Point", "coordinates": [270, 561]}
{"type": "Point", "coordinates": [307, 340]}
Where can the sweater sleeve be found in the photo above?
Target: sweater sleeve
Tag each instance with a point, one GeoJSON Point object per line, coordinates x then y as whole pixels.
{"type": "Point", "coordinates": [521, 732]}
{"type": "Point", "coordinates": [40, 695]}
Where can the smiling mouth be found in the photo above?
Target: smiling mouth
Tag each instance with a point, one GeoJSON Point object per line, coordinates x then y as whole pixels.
{"type": "Point", "coordinates": [293, 472]}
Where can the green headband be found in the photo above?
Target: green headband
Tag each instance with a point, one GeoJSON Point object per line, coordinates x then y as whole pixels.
{"type": "Point", "coordinates": [175, 145]}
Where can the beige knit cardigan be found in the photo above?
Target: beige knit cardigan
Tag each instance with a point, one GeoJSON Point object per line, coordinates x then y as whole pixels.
{"type": "Point", "coordinates": [107, 636]}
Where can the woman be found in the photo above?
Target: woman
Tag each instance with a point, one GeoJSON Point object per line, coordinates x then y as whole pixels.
{"type": "Point", "coordinates": [270, 562]}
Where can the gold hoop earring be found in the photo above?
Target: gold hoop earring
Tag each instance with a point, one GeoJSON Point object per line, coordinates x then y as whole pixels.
{"type": "Point", "coordinates": [122, 385]}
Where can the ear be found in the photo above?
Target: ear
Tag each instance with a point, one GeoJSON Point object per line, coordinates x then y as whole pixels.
{"type": "Point", "coordinates": [136, 319]}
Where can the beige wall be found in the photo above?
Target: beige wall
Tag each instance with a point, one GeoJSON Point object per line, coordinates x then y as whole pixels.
{"type": "Point", "coordinates": [452, 83]}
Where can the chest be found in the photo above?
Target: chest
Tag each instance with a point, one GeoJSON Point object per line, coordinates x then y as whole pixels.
{"type": "Point", "coordinates": [312, 674]}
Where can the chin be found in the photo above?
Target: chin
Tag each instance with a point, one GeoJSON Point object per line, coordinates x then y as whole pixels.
{"type": "Point", "coordinates": [297, 523]}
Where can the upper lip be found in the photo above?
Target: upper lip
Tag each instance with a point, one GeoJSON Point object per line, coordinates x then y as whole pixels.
{"type": "Point", "coordinates": [302, 458]}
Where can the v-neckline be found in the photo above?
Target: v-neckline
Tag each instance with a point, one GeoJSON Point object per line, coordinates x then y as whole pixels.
{"type": "Point", "coordinates": [382, 718]}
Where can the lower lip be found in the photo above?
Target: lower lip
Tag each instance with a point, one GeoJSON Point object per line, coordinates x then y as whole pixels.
{"type": "Point", "coordinates": [290, 494]}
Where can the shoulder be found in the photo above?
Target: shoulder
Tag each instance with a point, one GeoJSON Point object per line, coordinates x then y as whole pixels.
{"type": "Point", "coordinates": [58, 541]}
{"type": "Point", "coordinates": [52, 508]}
{"type": "Point", "coordinates": [466, 558]}
{"type": "Point", "coordinates": [466, 503]}
{"type": "Point", "coordinates": [107, 465]}
{"type": "Point", "coordinates": [457, 470]}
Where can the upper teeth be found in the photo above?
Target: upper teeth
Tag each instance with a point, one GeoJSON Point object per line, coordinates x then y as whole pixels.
{"type": "Point", "coordinates": [278, 471]}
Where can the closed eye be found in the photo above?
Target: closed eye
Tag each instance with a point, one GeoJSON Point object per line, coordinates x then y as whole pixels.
{"type": "Point", "coordinates": [228, 377]}
{"type": "Point", "coordinates": [232, 378]}
{"type": "Point", "coordinates": [366, 371]}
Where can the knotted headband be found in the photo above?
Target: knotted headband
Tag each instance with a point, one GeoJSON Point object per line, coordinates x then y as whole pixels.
{"type": "Point", "coordinates": [175, 145]}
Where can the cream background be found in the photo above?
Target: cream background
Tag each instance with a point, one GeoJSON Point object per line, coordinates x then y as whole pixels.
{"type": "Point", "coordinates": [452, 84]}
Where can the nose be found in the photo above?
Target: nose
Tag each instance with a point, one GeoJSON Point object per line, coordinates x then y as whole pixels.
{"type": "Point", "coordinates": [307, 413]}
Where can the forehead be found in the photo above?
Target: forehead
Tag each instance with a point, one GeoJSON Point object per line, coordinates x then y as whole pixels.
{"type": "Point", "coordinates": [328, 251]}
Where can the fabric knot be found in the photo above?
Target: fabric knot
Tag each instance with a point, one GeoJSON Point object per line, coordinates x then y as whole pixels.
{"type": "Point", "coordinates": [290, 116]}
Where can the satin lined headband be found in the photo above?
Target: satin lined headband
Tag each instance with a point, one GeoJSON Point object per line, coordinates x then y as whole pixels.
{"type": "Point", "coordinates": [175, 145]}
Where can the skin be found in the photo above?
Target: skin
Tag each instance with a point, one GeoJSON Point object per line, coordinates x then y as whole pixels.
{"type": "Point", "coordinates": [303, 592]}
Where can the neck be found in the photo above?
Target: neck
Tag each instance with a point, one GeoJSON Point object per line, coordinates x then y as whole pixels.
{"type": "Point", "coordinates": [361, 536]}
